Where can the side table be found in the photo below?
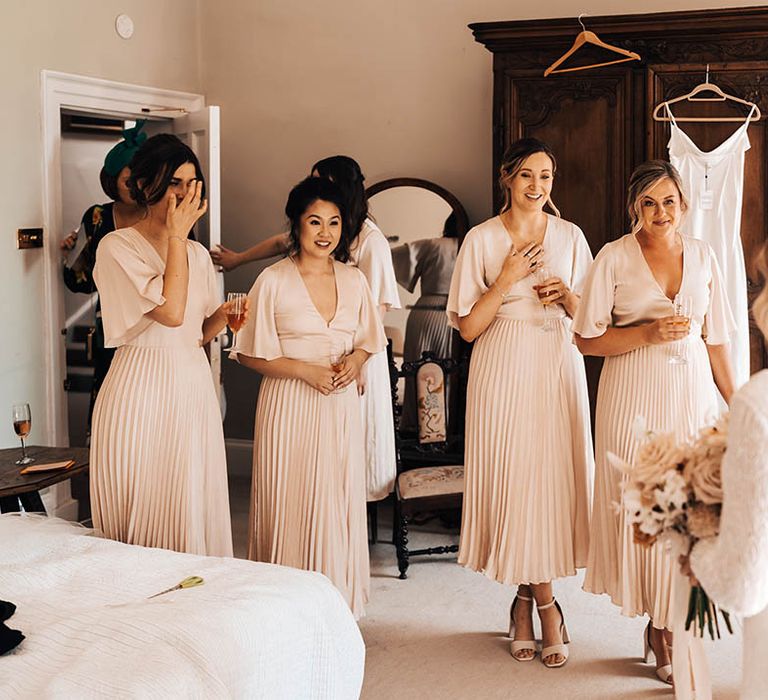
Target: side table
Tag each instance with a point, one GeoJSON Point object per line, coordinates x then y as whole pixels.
{"type": "Point", "coordinates": [17, 489]}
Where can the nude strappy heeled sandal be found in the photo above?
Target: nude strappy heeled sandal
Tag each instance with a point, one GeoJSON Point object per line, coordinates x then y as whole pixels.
{"type": "Point", "coordinates": [561, 649]}
{"type": "Point", "coordinates": [664, 672]}
{"type": "Point", "coordinates": [518, 645]}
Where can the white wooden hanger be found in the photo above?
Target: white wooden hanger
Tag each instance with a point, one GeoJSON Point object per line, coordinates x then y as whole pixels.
{"type": "Point", "coordinates": [587, 37]}
{"type": "Point", "coordinates": [720, 96]}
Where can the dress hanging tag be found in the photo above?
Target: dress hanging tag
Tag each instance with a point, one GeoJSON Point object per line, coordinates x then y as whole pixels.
{"type": "Point", "coordinates": [706, 199]}
{"type": "Point", "coordinates": [706, 196]}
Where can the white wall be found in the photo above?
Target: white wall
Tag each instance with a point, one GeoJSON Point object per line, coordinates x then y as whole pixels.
{"type": "Point", "coordinates": [400, 85]}
{"type": "Point", "coordinates": [76, 36]}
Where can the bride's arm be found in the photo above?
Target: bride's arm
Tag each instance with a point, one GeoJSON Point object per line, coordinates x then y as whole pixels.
{"type": "Point", "coordinates": [733, 567]}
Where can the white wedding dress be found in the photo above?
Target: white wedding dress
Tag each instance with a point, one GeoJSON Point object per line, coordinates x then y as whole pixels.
{"type": "Point", "coordinates": [733, 567]}
{"type": "Point", "coordinates": [714, 182]}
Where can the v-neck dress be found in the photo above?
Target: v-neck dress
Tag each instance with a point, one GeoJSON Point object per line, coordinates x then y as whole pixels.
{"type": "Point", "coordinates": [308, 499]}
{"type": "Point", "coordinates": [528, 451]}
{"type": "Point", "coordinates": [620, 292]}
{"type": "Point", "coordinates": [158, 467]}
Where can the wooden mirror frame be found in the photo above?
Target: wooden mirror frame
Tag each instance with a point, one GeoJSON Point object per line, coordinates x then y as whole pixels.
{"type": "Point", "coordinates": [462, 221]}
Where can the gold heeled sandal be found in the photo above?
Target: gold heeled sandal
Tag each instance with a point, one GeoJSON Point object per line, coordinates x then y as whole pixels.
{"type": "Point", "coordinates": [518, 645]}
{"type": "Point", "coordinates": [553, 649]}
{"type": "Point", "coordinates": [664, 673]}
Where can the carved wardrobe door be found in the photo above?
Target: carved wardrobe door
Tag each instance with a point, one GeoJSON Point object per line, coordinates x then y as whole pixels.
{"type": "Point", "coordinates": [585, 121]}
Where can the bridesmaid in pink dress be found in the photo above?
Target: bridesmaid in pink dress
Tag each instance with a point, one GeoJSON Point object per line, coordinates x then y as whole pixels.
{"type": "Point", "coordinates": [627, 315]}
{"type": "Point", "coordinates": [311, 311]}
{"type": "Point", "coordinates": [528, 454]}
{"type": "Point", "coordinates": [158, 467]}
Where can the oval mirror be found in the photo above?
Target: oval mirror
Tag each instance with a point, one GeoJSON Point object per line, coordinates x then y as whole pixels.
{"type": "Point", "coordinates": [424, 224]}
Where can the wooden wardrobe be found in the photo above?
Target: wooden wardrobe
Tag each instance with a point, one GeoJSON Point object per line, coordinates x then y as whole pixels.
{"type": "Point", "coordinates": [599, 122]}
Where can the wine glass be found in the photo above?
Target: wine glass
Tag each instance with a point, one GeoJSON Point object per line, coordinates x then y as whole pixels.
{"type": "Point", "coordinates": [22, 424]}
{"type": "Point", "coordinates": [336, 355]}
{"type": "Point", "coordinates": [683, 306]}
{"type": "Point", "coordinates": [235, 313]}
{"type": "Point", "coordinates": [542, 274]}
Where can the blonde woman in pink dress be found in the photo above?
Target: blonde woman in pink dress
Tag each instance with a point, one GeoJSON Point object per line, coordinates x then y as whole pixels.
{"type": "Point", "coordinates": [158, 468]}
{"type": "Point", "coordinates": [311, 311]}
{"type": "Point", "coordinates": [528, 454]}
{"type": "Point", "coordinates": [627, 315]}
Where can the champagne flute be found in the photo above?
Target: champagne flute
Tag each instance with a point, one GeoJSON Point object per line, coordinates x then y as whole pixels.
{"type": "Point", "coordinates": [683, 306]}
{"type": "Point", "coordinates": [542, 274]}
{"type": "Point", "coordinates": [235, 313]}
{"type": "Point", "coordinates": [22, 424]}
{"type": "Point", "coordinates": [336, 355]}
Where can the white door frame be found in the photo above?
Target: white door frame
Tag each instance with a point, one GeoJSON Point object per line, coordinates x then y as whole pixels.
{"type": "Point", "coordinates": [59, 91]}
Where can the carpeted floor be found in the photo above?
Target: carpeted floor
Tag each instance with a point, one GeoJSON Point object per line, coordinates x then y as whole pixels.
{"type": "Point", "coordinates": [442, 633]}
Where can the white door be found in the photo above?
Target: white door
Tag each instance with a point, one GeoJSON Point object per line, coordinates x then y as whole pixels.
{"type": "Point", "coordinates": [200, 131]}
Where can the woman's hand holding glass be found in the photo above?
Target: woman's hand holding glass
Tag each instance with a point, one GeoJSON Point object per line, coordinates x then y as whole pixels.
{"type": "Point", "coordinates": [550, 290]}
{"type": "Point", "coordinates": [683, 309]}
{"type": "Point", "coordinates": [667, 329]}
{"type": "Point", "coordinates": [236, 310]}
{"type": "Point", "coordinates": [319, 377]}
{"type": "Point", "coordinates": [349, 370]}
{"type": "Point", "coordinates": [518, 265]}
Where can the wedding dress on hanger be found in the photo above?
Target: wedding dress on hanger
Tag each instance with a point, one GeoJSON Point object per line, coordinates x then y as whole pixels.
{"type": "Point", "coordinates": [714, 182]}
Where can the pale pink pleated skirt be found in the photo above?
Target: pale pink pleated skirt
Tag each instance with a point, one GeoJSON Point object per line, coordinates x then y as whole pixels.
{"type": "Point", "coordinates": [309, 485]}
{"type": "Point", "coordinates": [528, 455]}
{"type": "Point", "coordinates": [158, 468]}
{"type": "Point", "coordinates": [679, 399]}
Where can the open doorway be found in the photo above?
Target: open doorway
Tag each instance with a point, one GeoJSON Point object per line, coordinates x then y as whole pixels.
{"type": "Point", "coordinates": [85, 141]}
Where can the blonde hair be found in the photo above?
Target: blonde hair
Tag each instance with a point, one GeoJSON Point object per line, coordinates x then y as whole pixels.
{"type": "Point", "coordinates": [760, 305]}
{"type": "Point", "coordinates": [516, 154]}
{"type": "Point", "coordinates": [645, 178]}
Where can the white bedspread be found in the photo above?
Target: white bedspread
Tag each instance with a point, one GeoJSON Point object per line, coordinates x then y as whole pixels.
{"type": "Point", "coordinates": [250, 631]}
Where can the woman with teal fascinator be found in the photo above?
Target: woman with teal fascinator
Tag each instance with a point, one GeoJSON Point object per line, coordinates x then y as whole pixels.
{"type": "Point", "coordinates": [97, 222]}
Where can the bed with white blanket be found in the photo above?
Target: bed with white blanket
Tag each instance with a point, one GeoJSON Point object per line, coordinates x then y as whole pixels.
{"type": "Point", "coordinates": [250, 631]}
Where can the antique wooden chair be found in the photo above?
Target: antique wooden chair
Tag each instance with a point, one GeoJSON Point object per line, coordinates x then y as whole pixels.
{"type": "Point", "coordinates": [430, 470]}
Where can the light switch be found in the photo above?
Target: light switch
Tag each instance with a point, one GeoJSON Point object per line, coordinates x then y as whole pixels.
{"type": "Point", "coordinates": [29, 238]}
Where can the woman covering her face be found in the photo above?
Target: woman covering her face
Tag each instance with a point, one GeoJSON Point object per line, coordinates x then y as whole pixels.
{"type": "Point", "coordinates": [158, 467]}
{"type": "Point", "coordinates": [313, 327]}
{"type": "Point", "coordinates": [659, 365]}
{"type": "Point", "coordinates": [528, 455]}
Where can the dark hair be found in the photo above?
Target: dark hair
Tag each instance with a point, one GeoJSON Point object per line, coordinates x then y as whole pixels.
{"type": "Point", "coordinates": [302, 196]}
{"type": "Point", "coordinates": [109, 185]}
{"type": "Point", "coordinates": [451, 226]}
{"type": "Point", "coordinates": [154, 164]}
{"type": "Point", "coordinates": [346, 173]}
{"type": "Point", "coordinates": [513, 160]}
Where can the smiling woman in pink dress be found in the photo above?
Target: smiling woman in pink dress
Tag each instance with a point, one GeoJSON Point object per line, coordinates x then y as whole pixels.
{"type": "Point", "coordinates": [158, 467]}
{"type": "Point", "coordinates": [528, 455]}
{"type": "Point", "coordinates": [369, 252]}
{"type": "Point", "coordinates": [627, 316]}
{"type": "Point", "coordinates": [311, 311]}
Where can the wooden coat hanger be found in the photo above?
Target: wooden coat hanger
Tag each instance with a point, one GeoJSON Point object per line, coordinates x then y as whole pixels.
{"type": "Point", "coordinates": [721, 96]}
{"type": "Point", "coordinates": [587, 37]}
